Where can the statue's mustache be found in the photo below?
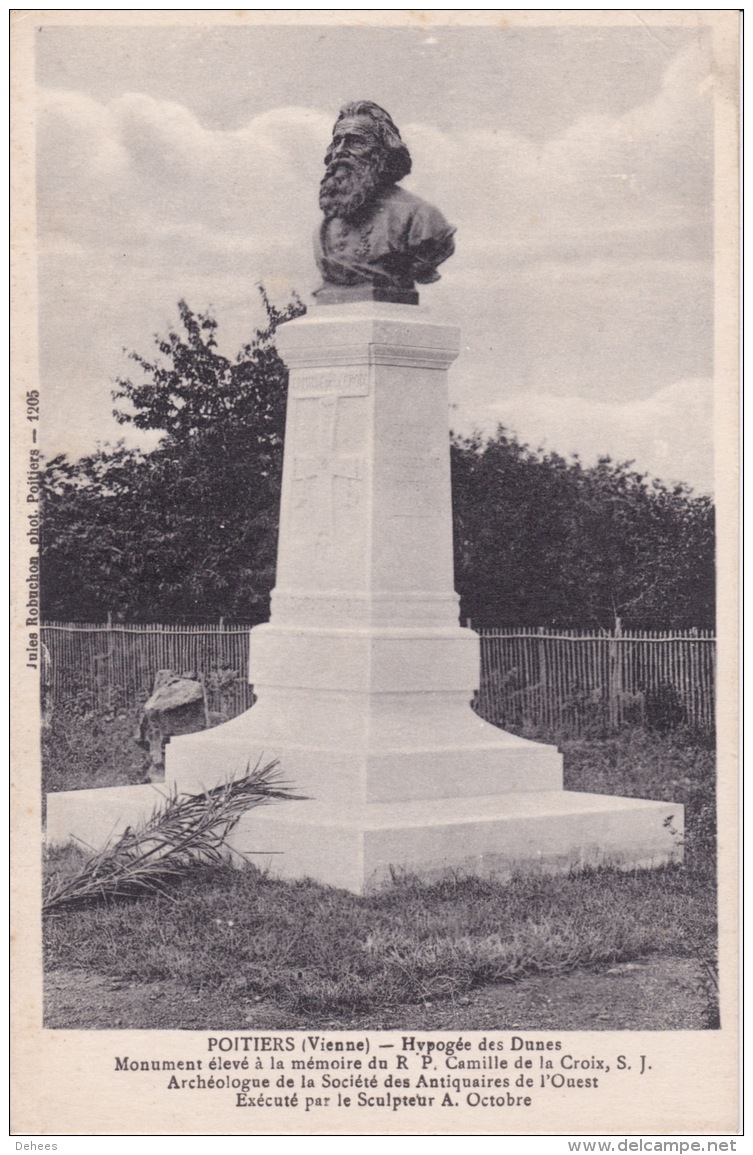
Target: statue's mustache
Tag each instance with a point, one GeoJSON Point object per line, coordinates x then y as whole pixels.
{"type": "Point", "coordinates": [349, 163]}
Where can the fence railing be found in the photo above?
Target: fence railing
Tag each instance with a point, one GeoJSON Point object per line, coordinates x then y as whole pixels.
{"type": "Point", "coordinates": [572, 682]}
{"type": "Point", "coordinates": [113, 666]}
{"type": "Point", "coordinates": [579, 682]}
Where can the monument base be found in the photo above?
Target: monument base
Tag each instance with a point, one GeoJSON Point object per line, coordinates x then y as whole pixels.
{"type": "Point", "coordinates": [358, 848]}
{"type": "Point", "coordinates": [489, 836]}
{"type": "Point", "coordinates": [92, 818]}
{"type": "Point", "coordinates": [363, 676]}
{"type": "Point", "coordinates": [348, 294]}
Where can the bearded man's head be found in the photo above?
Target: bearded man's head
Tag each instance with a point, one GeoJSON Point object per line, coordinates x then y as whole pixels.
{"type": "Point", "coordinates": [366, 154]}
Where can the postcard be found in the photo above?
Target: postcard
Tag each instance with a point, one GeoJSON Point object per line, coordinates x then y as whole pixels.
{"type": "Point", "coordinates": [374, 426]}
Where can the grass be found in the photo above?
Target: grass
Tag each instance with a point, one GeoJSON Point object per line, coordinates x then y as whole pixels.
{"type": "Point", "coordinates": [82, 750]}
{"type": "Point", "coordinates": [677, 767]}
{"type": "Point", "coordinates": [311, 948]}
{"type": "Point", "coordinates": [307, 947]}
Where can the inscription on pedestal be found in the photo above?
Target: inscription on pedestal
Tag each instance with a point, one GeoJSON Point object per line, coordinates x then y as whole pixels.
{"type": "Point", "coordinates": [414, 487]}
{"type": "Point", "coordinates": [323, 382]}
{"type": "Point", "coordinates": [415, 472]}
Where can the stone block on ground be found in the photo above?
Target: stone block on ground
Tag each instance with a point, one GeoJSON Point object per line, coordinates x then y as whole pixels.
{"type": "Point", "coordinates": [177, 706]}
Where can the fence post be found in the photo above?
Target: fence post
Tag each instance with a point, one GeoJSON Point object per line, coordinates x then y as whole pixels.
{"type": "Point", "coordinates": [614, 686]}
{"type": "Point", "coordinates": [543, 680]}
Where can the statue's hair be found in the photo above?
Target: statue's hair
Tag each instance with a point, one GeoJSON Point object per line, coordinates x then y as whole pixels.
{"type": "Point", "coordinates": [397, 161]}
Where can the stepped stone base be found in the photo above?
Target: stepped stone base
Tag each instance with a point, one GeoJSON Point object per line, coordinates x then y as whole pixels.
{"type": "Point", "coordinates": [339, 748]}
{"type": "Point", "coordinates": [487, 836]}
{"type": "Point", "coordinates": [359, 847]}
{"type": "Point", "coordinates": [91, 818]}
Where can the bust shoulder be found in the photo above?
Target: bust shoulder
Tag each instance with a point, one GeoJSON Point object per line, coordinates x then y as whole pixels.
{"type": "Point", "coordinates": [397, 201]}
{"type": "Point", "coordinates": [400, 219]}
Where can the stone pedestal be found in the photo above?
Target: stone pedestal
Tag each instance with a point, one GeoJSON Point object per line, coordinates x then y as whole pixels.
{"type": "Point", "coordinates": [363, 676]}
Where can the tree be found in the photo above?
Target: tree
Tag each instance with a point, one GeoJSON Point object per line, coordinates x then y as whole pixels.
{"type": "Point", "coordinates": [188, 531]}
{"type": "Point", "coordinates": [95, 538]}
{"type": "Point", "coordinates": [540, 540]}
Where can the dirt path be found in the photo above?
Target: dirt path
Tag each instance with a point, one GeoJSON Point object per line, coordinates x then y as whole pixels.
{"type": "Point", "coordinates": [659, 994]}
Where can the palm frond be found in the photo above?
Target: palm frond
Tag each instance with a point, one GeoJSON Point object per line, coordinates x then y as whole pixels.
{"type": "Point", "coordinates": [183, 831]}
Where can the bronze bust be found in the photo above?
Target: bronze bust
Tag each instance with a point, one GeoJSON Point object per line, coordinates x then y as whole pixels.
{"type": "Point", "coordinates": [376, 240]}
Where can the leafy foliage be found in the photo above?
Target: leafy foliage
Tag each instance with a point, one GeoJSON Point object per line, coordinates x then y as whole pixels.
{"type": "Point", "coordinates": [82, 749]}
{"type": "Point", "coordinates": [189, 531]}
{"type": "Point", "coordinates": [540, 540]}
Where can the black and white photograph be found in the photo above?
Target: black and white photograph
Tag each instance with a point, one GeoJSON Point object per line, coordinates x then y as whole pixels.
{"type": "Point", "coordinates": [374, 435]}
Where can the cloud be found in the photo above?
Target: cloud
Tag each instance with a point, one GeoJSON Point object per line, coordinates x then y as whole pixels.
{"type": "Point", "coordinates": [140, 172]}
{"type": "Point", "coordinates": [669, 434]}
{"type": "Point", "coordinates": [603, 187]}
{"type": "Point", "coordinates": [582, 267]}
{"type": "Point", "coordinates": [138, 160]}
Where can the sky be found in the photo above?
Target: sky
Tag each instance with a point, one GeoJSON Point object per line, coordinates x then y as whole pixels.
{"type": "Point", "coordinates": [576, 164]}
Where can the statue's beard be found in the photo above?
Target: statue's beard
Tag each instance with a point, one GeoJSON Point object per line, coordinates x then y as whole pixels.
{"type": "Point", "coordinates": [348, 186]}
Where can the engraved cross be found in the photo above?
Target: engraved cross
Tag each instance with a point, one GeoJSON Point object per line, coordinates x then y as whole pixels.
{"type": "Point", "coordinates": [326, 465]}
